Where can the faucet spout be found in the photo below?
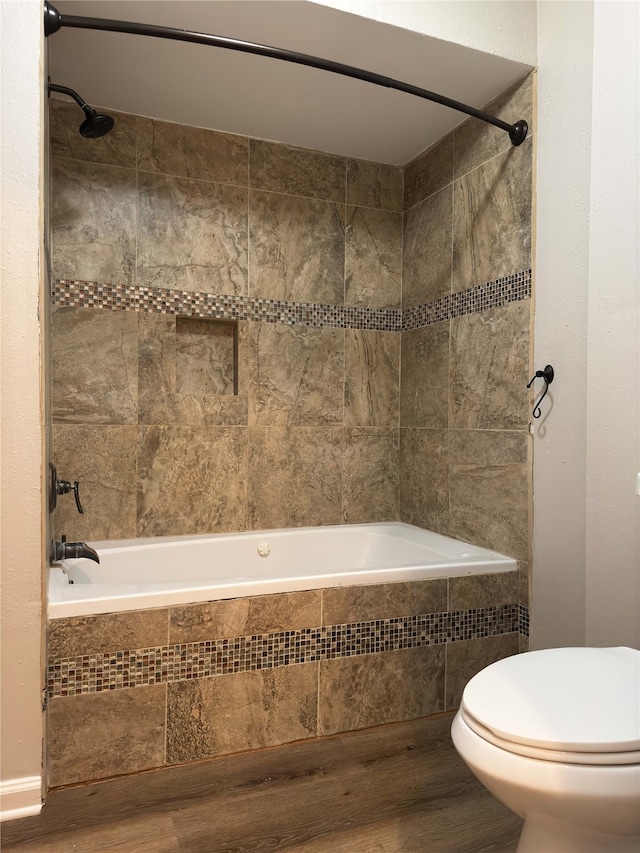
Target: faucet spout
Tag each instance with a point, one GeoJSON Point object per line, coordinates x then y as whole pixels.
{"type": "Point", "coordinates": [64, 550]}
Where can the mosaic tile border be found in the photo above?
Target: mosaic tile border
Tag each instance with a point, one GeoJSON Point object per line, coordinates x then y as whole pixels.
{"type": "Point", "coordinates": [523, 620]}
{"type": "Point", "coordinates": [186, 661]}
{"type": "Point", "coordinates": [159, 300]}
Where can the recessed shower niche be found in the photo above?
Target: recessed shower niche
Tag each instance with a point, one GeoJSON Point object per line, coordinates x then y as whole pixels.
{"type": "Point", "coordinates": [206, 356]}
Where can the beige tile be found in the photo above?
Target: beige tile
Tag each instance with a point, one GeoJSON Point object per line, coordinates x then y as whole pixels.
{"type": "Point", "coordinates": [297, 171]}
{"type": "Point", "coordinates": [475, 591]}
{"type": "Point", "coordinates": [296, 375]}
{"type": "Point", "coordinates": [475, 141]}
{"type": "Point", "coordinates": [103, 460]}
{"type": "Point", "coordinates": [490, 368]}
{"type": "Point", "coordinates": [492, 219]}
{"type": "Point", "coordinates": [205, 356]}
{"type": "Point", "coordinates": [342, 605]}
{"type": "Point", "coordinates": [192, 235]}
{"type": "Point", "coordinates": [247, 710]}
{"type": "Point", "coordinates": [177, 466]}
{"type": "Point", "coordinates": [192, 152]}
{"type": "Point", "coordinates": [489, 490]}
{"type": "Point", "coordinates": [424, 478]}
{"type": "Point", "coordinates": [159, 400]}
{"type": "Point", "coordinates": [371, 378]}
{"type": "Point", "coordinates": [426, 257]}
{"type": "Point", "coordinates": [107, 632]}
{"type": "Point", "coordinates": [370, 690]}
{"type": "Point", "coordinates": [93, 366]}
{"type": "Point", "coordinates": [117, 148]}
{"type": "Point", "coordinates": [241, 617]}
{"type": "Point", "coordinates": [294, 477]}
{"type": "Point", "coordinates": [98, 735]}
{"type": "Point", "coordinates": [373, 258]}
{"type": "Point", "coordinates": [424, 387]}
{"type": "Point", "coordinates": [296, 248]}
{"type": "Point", "coordinates": [467, 657]}
{"type": "Point", "coordinates": [93, 222]}
{"type": "Point", "coordinates": [375, 185]}
{"type": "Point", "coordinates": [524, 584]}
{"type": "Point", "coordinates": [370, 475]}
{"type": "Point", "coordinates": [428, 172]}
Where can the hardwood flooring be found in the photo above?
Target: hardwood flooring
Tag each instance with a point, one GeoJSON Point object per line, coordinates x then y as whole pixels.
{"type": "Point", "coordinates": [393, 789]}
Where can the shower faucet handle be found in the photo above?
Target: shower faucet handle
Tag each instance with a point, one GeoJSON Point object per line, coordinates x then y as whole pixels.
{"type": "Point", "coordinates": [63, 487]}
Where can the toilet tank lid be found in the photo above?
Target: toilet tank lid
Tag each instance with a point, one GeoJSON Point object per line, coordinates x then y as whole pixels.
{"type": "Point", "coordinates": [573, 699]}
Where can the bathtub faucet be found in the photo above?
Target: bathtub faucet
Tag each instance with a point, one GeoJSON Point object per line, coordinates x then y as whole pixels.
{"type": "Point", "coordinates": [64, 550]}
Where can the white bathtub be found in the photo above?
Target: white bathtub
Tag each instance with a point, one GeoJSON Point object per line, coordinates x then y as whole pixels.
{"type": "Point", "coordinates": [136, 574]}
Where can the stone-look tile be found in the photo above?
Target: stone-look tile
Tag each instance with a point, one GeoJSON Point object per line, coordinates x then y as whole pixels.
{"type": "Point", "coordinates": [488, 490]}
{"type": "Point", "coordinates": [426, 257]}
{"type": "Point", "coordinates": [424, 479]}
{"type": "Point", "coordinates": [428, 172]}
{"type": "Point", "coordinates": [296, 375]}
{"type": "Point", "coordinates": [297, 248]}
{"type": "Point", "coordinates": [468, 657]}
{"type": "Point", "coordinates": [297, 171]}
{"type": "Point", "coordinates": [117, 148]}
{"type": "Point", "coordinates": [475, 141]}
{"type": "Point", "coordinates": [370, 690]}
{"type": "Point", "coordinates": [371, 378]}
{"type": "Point", "coordinates": [424, 386]}
{"type": "Point", "coordinates": [242, 617]}
{"type": "Point", "coordinates": [294, 477]}
{"type": "Point", "coordinates": [524, 584]}
{"type": "Point", "coordinates": [373, 258]}
{"type": "Point", "coordinates": [191, 480]}
{"type": "Point", "coordinates": [107, 632]}
{"type": "Point", "coordinates": [342, 605]}
{"type": "Point", "coordinates": [158, 399]}
{"type": "Point", "coordinates": [489, 368]}
{"type": "Point", "coordinates": [523, 643]}
{"type": "Point", "coordinates": [192, 235]}
{"type": "Point", "coordinates": [105, 734]}
{"type": "Point", "coordinates": [492, 219]}
{"type": "Point", "coordinates": [370, 481]}
{"type": "Point", "coordinates": [103, 460]}
{"type": "Point", "coordinates": [192, 152]}
{"type": "Point", "coordinates": [247, 710]}
{"type": "Point", "coordinates": [93, 366]}
{"type": "Point", "coordinates": [205, 356]}
{"type": "Point", "coordinates": [374, 185]}
{"type": "Point", "coordinates": [475, 591]}
{"type": "Point", "coordinates": [93, 222]}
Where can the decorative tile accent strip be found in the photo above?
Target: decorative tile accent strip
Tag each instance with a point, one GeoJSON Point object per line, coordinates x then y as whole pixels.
{"type": "Point", "coordinates": [162, 300]}
{"type": "Point", "coordinates": [492, 294]}
{"type": "Point", "coordinates": [523, 620]}
{"type": "Point", "coordinates": [135, 668]}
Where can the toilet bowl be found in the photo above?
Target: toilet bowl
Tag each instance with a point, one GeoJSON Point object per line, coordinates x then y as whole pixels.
{"type": "Point", "coordinates": [555, 736]}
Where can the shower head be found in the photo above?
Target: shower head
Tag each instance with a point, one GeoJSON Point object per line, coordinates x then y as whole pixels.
{"type": "Point", "coordinates": [95, 124]}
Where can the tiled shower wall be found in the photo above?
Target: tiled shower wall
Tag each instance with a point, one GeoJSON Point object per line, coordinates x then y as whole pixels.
{"type": "Point", "coordinates": [157, 229]}
{"type": "Point", "coordinates": [177, 219]}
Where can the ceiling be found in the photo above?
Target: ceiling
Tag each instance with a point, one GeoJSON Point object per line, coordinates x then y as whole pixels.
{"type": "Point", "coordinates": [269, 99]}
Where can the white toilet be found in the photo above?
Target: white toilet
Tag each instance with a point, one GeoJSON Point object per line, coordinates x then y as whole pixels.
{"type": "Point", "coordinates": [555, 736]}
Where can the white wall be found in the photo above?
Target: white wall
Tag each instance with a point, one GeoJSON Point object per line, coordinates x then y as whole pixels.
{"type": "Point", "coordinates": [503, 27]}
{"type": "Point", "coordinates": [613, 372]}
{"type": "Point", "coordinates": [586, 552]}
{"type": "Point", "coordinates": [21, 556]}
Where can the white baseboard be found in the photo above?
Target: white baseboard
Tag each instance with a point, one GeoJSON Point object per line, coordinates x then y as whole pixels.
{"type": "Point", "coordinates": [20, 797]}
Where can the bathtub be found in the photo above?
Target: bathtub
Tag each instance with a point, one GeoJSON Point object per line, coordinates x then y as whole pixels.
{"type": "Point", "coordinates": [136, 574]}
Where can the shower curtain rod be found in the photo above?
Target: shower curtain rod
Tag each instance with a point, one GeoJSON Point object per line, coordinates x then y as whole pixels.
{"type": "Point", "coordinates": [54, 21]}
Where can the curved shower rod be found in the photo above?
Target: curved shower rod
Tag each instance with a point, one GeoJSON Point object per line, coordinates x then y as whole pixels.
{"type": "Point", "coordinates": [54, 21]}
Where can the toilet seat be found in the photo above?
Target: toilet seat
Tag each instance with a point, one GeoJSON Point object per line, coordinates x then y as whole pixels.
{"type": "Point", "coordinates": [571, 706]}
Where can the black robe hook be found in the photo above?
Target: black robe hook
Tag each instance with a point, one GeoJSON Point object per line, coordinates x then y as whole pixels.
{"type": "Point", "coordinates": [546, 374]}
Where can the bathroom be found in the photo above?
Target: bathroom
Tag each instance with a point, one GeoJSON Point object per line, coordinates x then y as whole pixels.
{"type": "Point", "coordinates": [567, 615]}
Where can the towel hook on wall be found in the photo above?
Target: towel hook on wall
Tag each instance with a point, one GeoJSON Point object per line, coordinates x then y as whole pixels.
{"type": "Point", "coordinates": [547, 374]}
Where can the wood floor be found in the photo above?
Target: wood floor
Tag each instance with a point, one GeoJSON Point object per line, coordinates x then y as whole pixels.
{"type": "Point", "coordinates": [394, 789]}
